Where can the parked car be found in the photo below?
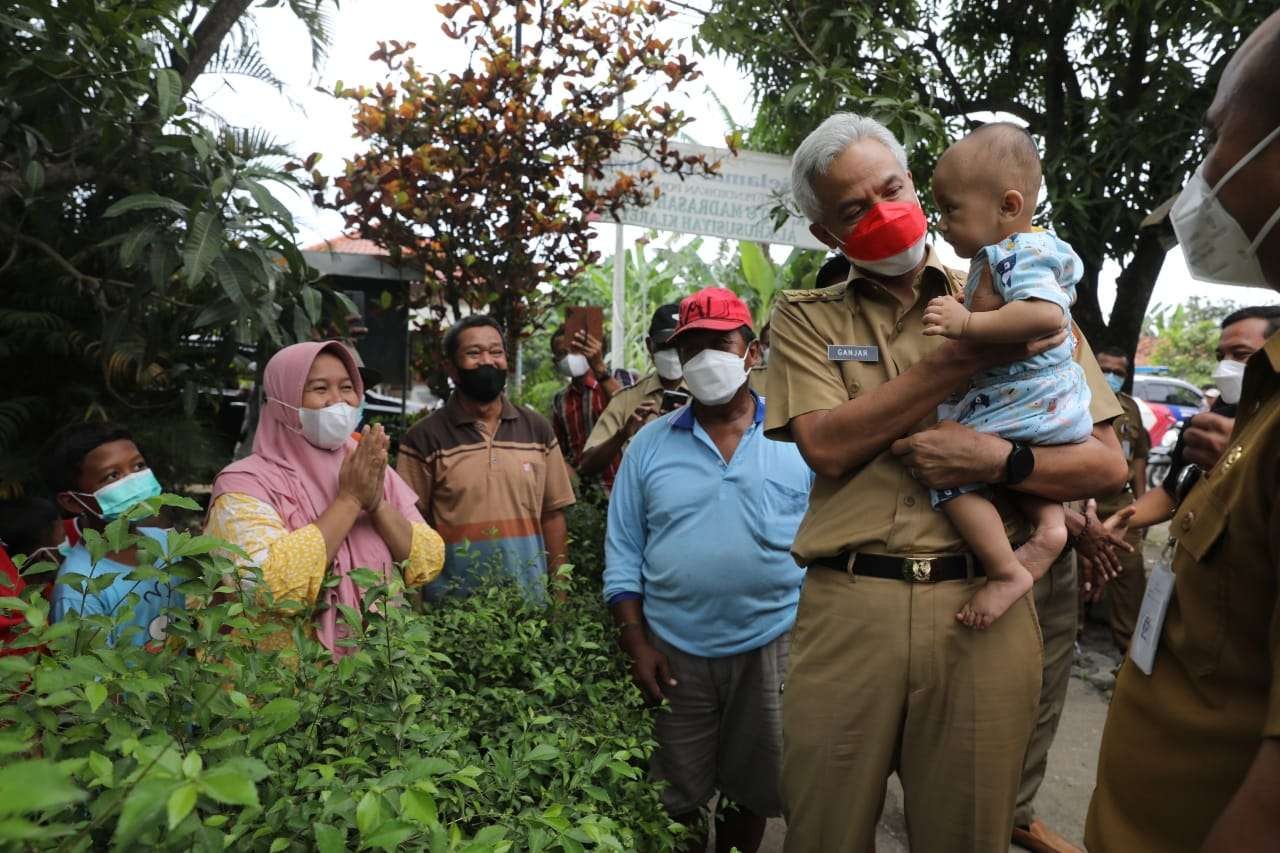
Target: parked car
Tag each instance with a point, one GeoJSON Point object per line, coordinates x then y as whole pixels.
{"type": "Point", "coordinates": [1165, 401]}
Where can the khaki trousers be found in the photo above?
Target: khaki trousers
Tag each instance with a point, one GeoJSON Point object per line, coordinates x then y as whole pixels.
{"type": "Point", "coordinates": [1125, 592]}
{"type": "Point", "coordinates": [1057, 600]}
{"type": "Point", "coordinates": [882, 679]}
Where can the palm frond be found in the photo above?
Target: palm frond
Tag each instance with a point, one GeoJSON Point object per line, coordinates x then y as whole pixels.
{"type": "Point", "coordinates": [319, 24]}
{"type": "Point", "coordinates": [251, 143]}
{"type": "Point", "coordinates": [240, 56]}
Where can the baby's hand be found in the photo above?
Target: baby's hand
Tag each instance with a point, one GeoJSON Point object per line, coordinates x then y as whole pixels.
{"type": "Point", "coordinates": [947, 316]}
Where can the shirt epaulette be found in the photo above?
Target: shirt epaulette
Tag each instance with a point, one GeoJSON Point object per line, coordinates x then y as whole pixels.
{"type": "Point", "coordinates": [834, 293]}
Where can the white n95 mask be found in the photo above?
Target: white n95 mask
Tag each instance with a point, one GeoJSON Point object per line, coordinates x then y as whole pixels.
{"type": "Point", "coordinates": [573, 365]}
{"type": "Point", "coordinates": [714, 376]}
{"type": "Point", "coordinates": [327, 428]}
{"type": "Point", "coordinates": [1229, 377]}
{"type": "Point", "coordinates": [1214, 244]}
{"type": "Point", "coordinates": [667, 362]}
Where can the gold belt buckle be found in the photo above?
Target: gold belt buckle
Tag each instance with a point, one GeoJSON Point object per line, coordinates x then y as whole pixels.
{"type": "Point", "coordinates": [917, 569]}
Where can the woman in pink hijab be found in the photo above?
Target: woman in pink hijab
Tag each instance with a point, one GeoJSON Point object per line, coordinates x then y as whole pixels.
{"type": "Point", "coordinates": [313, 498]}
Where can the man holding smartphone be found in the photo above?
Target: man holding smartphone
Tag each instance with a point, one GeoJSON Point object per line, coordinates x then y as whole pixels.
{"type": "Point", "coordinates": [578, 350]}
{"type": "Point", "coordinates": [661, 391]}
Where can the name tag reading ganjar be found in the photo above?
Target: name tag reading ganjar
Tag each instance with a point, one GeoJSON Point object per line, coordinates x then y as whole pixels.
{"type": "Point", "coordinates": [849, 352]}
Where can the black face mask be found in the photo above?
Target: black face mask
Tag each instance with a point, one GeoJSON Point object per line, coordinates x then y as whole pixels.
{"type": "Point", "coordinates": [482, 384]}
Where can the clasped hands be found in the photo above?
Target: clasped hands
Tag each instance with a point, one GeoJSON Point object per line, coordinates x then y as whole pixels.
{"type": "Point", "coordinates": [365, 467]}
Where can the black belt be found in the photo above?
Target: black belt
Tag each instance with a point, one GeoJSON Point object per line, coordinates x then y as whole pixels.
{"type": "Point", "coordinates": [913, 569]}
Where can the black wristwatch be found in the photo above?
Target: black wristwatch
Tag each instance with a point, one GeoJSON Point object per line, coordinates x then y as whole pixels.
{"type": "Point", "coordinates": [1020, 464]}
{"type": "Point", "coordinates": [603, 376]}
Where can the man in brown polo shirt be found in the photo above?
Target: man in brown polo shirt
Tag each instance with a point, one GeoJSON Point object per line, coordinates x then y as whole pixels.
{"type": "Point", "coordinates": [883, 677]}
{"type": "Point", "coordinates": [1191, 751]}
{"type": "Point", "coordinates": [489, 475]}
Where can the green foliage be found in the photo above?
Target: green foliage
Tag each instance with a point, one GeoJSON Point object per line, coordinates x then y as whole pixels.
{"type": "Point", "coordinates": [485, 724]}
{"type": "Point", "coordinates": [1186, 336]}
{"type": "Point", "coordinates": [1113, 91]}
{"type": "Point", "coordinates": [144, 260]}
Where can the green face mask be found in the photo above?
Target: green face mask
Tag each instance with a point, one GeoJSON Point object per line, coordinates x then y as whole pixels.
{"type": "Point", "coordinates": [115, 499]}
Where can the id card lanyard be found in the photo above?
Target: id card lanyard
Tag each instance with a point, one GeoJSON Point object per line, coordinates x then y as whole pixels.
{"type": "Point", "coordinates": [1155, 604]}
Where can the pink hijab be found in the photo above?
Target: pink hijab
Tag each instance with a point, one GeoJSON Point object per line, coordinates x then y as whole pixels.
{"type": "Point", "coordinates": [300, 480]}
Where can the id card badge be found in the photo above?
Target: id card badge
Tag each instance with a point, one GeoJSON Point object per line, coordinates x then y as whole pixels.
{"type": "Point", "coordinates": [1155, 604]}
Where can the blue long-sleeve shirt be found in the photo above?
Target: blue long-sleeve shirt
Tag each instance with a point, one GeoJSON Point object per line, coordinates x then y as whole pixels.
{"type": "Point", "coordinates": [706, 545]}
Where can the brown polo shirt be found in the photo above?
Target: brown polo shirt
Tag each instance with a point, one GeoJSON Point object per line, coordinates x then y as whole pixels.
{"type": "Point", "coordinates": [614, 418]}
{"type": "Point", "coordinates": [486, 495]}
{"type": "Point", "coordinates": [878, 508]}
{"type": "Point", "coordinates": [1136, 444]}
{"type": "Point", "coordinates": [1179, 742]}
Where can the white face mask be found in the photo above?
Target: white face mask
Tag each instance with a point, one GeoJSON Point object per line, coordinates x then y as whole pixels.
{"type": "Point", "coordinates": [667, 361]}
{"type": "Point", "coordinates": [1229, 377]}
{"type": "Point", "coordinates": [1214, 244]}
{"type": "Point", "coordinates": [573, 365]}
{"type": "Point", "coordinates": [330, 427]}
{"type": "Point", "coordinates": [715, 376]}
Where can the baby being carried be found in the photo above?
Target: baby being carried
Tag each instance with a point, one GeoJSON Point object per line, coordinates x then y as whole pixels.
{"type": "Point", "coordinates": [1020, 288]}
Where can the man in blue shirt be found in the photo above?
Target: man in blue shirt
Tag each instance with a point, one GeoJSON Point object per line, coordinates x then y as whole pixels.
{"type": "Point", "coordinates": [700, 578]}
{"type": "Point", "coordinates": [98, 474]}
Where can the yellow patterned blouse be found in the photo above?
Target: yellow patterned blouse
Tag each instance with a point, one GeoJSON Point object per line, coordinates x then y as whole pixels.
{"type": "Point", "coordinates": [293, 563]}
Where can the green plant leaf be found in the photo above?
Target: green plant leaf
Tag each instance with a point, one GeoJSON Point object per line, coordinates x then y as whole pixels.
{"type": "Point", "coordinates": [369, 814]}
{"type": "Point", "coordinates": [229, 786]}
{"type": "Point", "coordinates": [181, 802]}
{"type": "Point", "coordinates": [96, 694]}
{"type": "Point", "coordinates": [203, 243]}
{"type": "Point", "coordinates": [145, 201]}
{"type": "Point", "coordinates": [329, 839]}
{"type": "Point", "coordinates": [168, 91]}
{"type": "Point", "coordinates": [141, 811]}
{"type": "Point", "coordinates": [32, 786]}
{"type": "Point", "coordinates": [419, 806]}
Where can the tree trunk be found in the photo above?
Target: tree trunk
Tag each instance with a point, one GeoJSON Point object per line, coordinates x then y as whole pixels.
{"type": "Point", "coordinates": [1086, 312]}
{"type": "Point", "coordinates": [1133, 291]}
{"type": "Point", "coordinates": [206, 40]}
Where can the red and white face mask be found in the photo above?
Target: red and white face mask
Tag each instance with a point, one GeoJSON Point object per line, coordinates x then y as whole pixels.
{"type": "Point", "coordinates": [888, 240]}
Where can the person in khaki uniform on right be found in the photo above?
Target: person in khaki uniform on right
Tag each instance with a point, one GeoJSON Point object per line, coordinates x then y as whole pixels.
{"type": "Point", "coordinates": [1190, 756]}
{"type": "Point", "coordinates": [883, 677]}
{"type": "Point", "coordinates": [1124, 592]}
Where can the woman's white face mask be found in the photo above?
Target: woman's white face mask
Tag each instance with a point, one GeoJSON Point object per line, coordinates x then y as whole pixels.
{"type": "Point", "coordinates": [327, 428]}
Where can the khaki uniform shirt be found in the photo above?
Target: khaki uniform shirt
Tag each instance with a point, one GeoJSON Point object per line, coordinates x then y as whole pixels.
{"type": "Point", "coordinates": [614, 418]}
{"type": "Point", "coordinates": [879, 508]}
{"type": "Point", "coordinates": [1179, 742]}
{"type": "Point", "coordinates": [759, 379]}
{"type": "Point", "coordinates": [1136, 444]}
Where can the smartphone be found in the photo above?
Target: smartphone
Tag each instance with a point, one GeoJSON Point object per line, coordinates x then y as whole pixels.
{"type": "Point", "coordinates": [672, 400]}
{"type": "Point", "coordinates": [584, 318]}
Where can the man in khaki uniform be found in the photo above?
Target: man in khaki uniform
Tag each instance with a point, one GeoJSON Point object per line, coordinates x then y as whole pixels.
{"type": "Point", "coordinates": [632, 408]}
{"type": "Point", "coordinates": [1190, 755]}
{"type": "Point", "coordinates": [1124, 592]}
{"type": "Point", "coordinates": [883, 677]}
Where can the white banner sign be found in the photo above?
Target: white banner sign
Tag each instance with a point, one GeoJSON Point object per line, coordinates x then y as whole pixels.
{"type": "Point", "coordinates": [734, 204]}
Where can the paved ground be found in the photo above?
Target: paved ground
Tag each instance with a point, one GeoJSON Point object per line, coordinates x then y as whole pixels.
{"type": "Point", "coordinates": [1063, 801]}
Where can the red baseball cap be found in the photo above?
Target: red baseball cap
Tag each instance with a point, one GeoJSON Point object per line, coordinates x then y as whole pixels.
{"type": "Point", "coordinates": [716, 308]}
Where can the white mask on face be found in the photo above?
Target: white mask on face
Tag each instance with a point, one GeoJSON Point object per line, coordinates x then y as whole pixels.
{"type": "Point", "coordinates": [715, 376]}
{"type": "Point", "coordinates": [573, 365]}
{"type": "Point", "coordinates": [1214, 244]}
{"type": "Point", "coordinates": [667, 361]}
{"type": "Point", "coordinates": [330, 427]}
{"type": "Point", "coordinates": [1229, 377]}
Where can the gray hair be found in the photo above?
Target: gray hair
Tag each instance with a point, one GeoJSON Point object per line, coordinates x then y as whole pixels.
{"type": "Point", "coordinates": [814, 156]}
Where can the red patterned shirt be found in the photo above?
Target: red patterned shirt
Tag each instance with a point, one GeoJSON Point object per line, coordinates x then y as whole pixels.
{"type": "Point", "coordinates": [574, 411]}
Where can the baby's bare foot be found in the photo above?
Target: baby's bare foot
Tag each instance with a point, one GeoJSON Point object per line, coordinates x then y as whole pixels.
{"type": "Point", "coordinates": [1038, 553]}
{"type": "Point", "coordinates": [996, 596]}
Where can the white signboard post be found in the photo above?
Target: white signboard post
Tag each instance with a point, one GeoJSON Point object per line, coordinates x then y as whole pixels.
{"type": "Point", "coordinates": [734, 204]}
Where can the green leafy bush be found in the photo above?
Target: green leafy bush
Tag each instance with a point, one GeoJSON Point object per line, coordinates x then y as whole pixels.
{"type": "Point", "coordinates": [484, 724]}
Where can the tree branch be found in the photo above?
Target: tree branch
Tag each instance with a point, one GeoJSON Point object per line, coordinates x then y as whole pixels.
{"type": "Point", "coordinates": [84, 278]}
{"type": "Point", "coordinates": [206, 40]}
